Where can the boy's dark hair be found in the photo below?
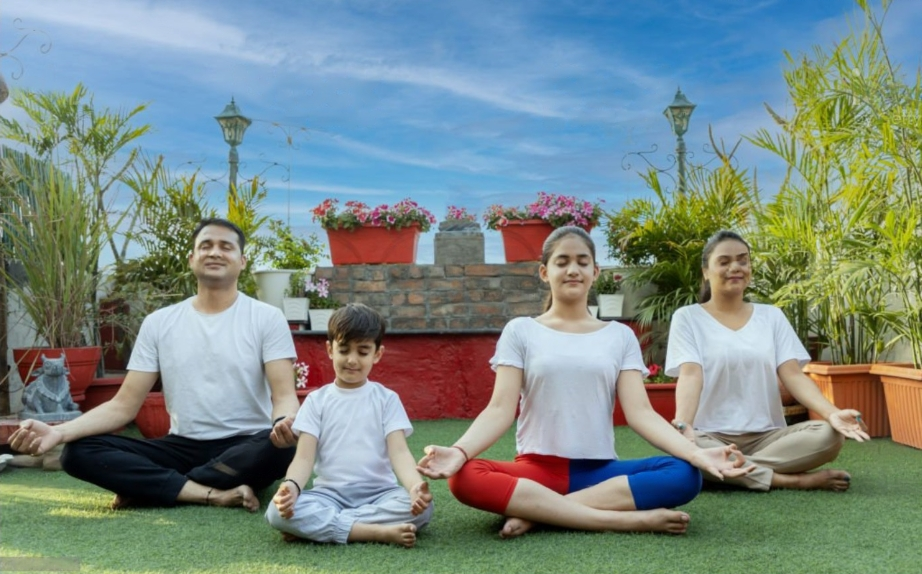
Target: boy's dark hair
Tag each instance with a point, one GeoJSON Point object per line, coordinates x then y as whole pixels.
{"type": "Point", "coordinates": [356, 322]}
{"type": "Point", "coordinates": [221, 223]}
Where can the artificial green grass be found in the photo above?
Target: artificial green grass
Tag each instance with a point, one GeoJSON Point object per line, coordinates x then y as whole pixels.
{"type": "Point", "coordinates": [874, 527]}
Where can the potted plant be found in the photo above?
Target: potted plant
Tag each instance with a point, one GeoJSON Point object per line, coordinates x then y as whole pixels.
{"type": "Point", "coordinates": [322, 303]}
{"type": "Point", "coordinates": [524, 229]}
{"type": "Point", "coordinates": [53, 229]}
{"type": "Point", "coordinates": [295, 303]}
{"type": "Point", "coordinates": [360, 234]}
{"type": "Point", "coordinates": [278, 256]}
{"type": "Point", "coordinates": [610, 298]}
{"type": "Point", "coordinates": [661, 391]}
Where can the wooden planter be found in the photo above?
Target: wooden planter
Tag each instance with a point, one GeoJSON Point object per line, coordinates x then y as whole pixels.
{"type": "Point", "coordinates": [853, 387]}
{"type": "Point", "coordinates": [662, 397]}
{"type": "Point", "coordinates": [903, 390]}
{"type": "Point", "coordinates": [373, 245]}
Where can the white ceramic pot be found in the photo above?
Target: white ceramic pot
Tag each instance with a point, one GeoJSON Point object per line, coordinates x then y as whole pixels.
{"type": "Point", "coordinates": [320, 318]}
{"type": "Point", "coordinates": [296, 308]}
{"type": "Point", "coordinates": [271, 285]}
{"type": "Point", "coordinates": [611, 306]}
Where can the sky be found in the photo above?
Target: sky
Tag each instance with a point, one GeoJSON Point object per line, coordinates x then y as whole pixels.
{"type": "Point", "coordinates": [455, 102]}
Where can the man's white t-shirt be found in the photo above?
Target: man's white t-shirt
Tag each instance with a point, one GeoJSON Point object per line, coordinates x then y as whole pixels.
{"type": "Point", "coordinates": [351, 427]}
{"type": "Point", "coordinates": [740, 390]}
{"type": "Point", "coordinates": [566, 404]}
{"type": "Point", "coordinates": [212, 365]}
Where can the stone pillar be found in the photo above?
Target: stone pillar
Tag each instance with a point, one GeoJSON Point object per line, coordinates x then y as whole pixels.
{"type": "Point", "coordinates": [459, 243]}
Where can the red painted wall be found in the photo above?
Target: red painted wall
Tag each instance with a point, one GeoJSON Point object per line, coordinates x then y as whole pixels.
{"type": "Point", "coordinates": [437, 376]}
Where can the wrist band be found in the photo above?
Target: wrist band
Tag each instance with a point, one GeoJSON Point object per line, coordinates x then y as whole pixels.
{"type": "Point", "coordinates": [281, 418]}
{"type": "Point", "coordinates": [464, 452]}
{"type": "Point", "coordinates": [294, 482]}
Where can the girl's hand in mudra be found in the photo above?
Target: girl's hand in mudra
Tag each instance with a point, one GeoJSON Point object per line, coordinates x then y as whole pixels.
{"type": "Point", "coordinates": [722, 461]}
{"type": "Point", "coordinates": [441, 461]}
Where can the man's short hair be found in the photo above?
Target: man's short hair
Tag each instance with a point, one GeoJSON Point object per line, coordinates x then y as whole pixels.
{"type": "Point", "coordinates": [241, 240]}
{"type": "Point", "coordinates": [356, 322]}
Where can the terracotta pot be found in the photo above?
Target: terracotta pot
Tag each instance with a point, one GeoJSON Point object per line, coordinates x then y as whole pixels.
{"type": "Point", "coordinates": [101, 390]}
{"type": "Point", "coordinates": [903, 391]}
{"type": "Point", "coordinates": [153, 421]}
{"type": "Point", "coordinates": [662, 398]}
{"type": "Point", "coordinates": [373, 245]}
{"type": "Point", "coordinates": [81, 363]}
{"type": "Point", "coordinates": [853, 387]}
{"type": "Point", "coordinates": [523, 240]}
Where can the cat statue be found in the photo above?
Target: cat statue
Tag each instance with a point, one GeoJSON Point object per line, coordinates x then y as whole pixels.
{"type": "Point", "coordinates": [48, 398]}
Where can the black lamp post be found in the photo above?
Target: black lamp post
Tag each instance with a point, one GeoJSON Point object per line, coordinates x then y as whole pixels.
{"type": "Point", "coordinates": [678, 113]}
{"type": "Point", "coordinates": [233, 124]}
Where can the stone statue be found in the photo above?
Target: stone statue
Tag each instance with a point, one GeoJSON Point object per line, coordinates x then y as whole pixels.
{"type": "Point", "coordinates": [459, 225]}
{"type": "Point", "coordinates": [48, 398]}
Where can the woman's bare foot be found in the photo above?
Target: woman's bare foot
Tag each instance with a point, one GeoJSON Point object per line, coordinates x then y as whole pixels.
{"type": "Point", "coordinates": [240, 496]}
{"type": "Point", "coordinates": [515, 527]}
{"type": "Point", "coordinates": [400, 534]}
{"type": "Point", "coordinates": [834, 480]}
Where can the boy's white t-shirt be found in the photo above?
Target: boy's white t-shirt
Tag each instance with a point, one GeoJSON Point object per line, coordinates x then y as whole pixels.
{"type": "Point", "coordinates": [351, 427]}
{"type": "Point", "coordinates": [740, 391]}
{"type": "Point", "coordinates": [212, 365]}
{"type": "Point", "coordinates": [566, 403]}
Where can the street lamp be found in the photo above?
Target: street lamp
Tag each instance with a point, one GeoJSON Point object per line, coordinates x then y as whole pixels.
{"type": "Point", "coordinates": [678, 113]}
{"type": "Point", "coordinates": [233, 124]}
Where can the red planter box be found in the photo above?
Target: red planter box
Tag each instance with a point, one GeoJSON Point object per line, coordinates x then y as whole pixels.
{"type": "Point", "coordinates": [524, 240]}
{"type": "Point", "coordinates": [662, 397]}
{"type": "Point", "coordinates": [373, 245]}
{"type": "Point", "coordinates": [81, 363]}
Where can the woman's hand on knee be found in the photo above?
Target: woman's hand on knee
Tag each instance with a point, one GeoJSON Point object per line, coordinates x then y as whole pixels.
{"type": "Point", "coordinates": [441, 461]}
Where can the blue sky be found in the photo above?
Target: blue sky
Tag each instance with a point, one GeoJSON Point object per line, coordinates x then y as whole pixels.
{"type": "Point", "coordinates": [463, 102]}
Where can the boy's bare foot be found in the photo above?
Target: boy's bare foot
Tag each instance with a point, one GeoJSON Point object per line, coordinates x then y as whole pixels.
{"type": "Point", "coordinates": [515, 527]}
{"type": "Point", "coordinates": [240, 496]}
{"type": "Point", "coordinates": [834, 480]}
{"type": "Point", "coordinates": [400, 534]}
{"type": "Point", "coordinates": [287, 537]}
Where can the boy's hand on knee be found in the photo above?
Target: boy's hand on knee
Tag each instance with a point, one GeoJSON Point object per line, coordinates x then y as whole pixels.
{"type": "Point", "coordinates": [284, 501]}
{"type": "Point", "coordinates": [420, 498]}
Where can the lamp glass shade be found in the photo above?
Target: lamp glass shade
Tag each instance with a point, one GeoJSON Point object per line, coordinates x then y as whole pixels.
{"type": "Point", "coordinates": [678, 113]}
{"type": "Point", "coordinates": [233, 124]}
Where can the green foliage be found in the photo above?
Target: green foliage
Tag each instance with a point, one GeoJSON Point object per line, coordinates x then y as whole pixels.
{"type": "Point", "coordinates": [283, 250]}
{"type": "Point", "coordinates": [608, 282]}
{"type": "Point", "coordinates": [243, 211]}
{"type": "Point", "coordinates": [54, 230]}
{"type": "Point", "coordinates": [663, 237]}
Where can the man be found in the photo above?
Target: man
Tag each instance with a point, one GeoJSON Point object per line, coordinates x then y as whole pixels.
{"type": "Point", "coordinates": [214, 354]}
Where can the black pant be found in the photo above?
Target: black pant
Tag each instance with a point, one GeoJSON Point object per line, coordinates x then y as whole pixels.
{"type": "Point", "coordinates": [154, 471]}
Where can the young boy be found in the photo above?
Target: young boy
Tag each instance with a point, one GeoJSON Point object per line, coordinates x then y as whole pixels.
{"type": "Point", "coordinates": [355, 430]}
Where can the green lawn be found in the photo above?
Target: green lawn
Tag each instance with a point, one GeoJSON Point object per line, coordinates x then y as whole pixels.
{"type": "Point", "coordinates": [875, 527]}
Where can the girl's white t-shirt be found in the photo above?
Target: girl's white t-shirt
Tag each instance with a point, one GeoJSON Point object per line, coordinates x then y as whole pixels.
{"type": "Point", "coordinates": [566, 403]}
{"type": "Point", "coordinates": [740, 392]}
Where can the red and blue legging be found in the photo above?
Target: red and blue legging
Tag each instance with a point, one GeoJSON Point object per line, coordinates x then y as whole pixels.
{"type": "Point", "coordinates": [656, 482]}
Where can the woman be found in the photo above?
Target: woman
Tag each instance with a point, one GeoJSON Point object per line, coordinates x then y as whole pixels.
{"type": "Point", "coordinates": [563, 369]}
{"type": "Point", "coordinates": [729, 354]}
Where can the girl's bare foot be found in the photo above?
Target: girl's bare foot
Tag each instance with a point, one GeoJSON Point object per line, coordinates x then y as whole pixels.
{"type": "Point", "coordinates": [240, 496]}
{"type": "Point", "coordinates": [515, 527]}
{"type": "Point", "coordinates": [400, 534]}
{"type": "Point", "coordinates": [659, 520]}
{"type": "Point", "coordinates": [834, 480]}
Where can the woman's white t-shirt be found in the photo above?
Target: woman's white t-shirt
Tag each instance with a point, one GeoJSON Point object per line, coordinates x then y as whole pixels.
{"type": "Point", "coordinates": [566, 403]}
{"type": "Point", "coordinates": [740, 391]}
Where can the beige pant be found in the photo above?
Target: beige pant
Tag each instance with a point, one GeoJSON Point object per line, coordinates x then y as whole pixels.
{"type": "Point", "coordinates": [790, 450]}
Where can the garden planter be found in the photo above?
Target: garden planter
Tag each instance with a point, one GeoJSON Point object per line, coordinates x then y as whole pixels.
{"type": "Point", "coordinates": [100, 391]}
{"type": "Point", "coordinates": [662, 398]}
{"type": "Point", "coordinates": [903, 390]}
{"type": "Point", "coordinates": [524, 240]}
{"type": "Point", "coordinates": [593, 310]}
{"type": "Point", "coordinates": [611, 306]}
{"type": "Point", "coordinates": [271, 285]}
{"type": "Point", "coordinates": [152, 419]}
{"type": "Point", "coordinates": [853, 387]}
{"type": "Point", "coordinates": [81, 363]}
{"type": "Point", "coordinates": [296, 308]}
{"type": "Point", "coordinates": [373, 245]}
{"type": "Point", "coordinates": [320, 318]}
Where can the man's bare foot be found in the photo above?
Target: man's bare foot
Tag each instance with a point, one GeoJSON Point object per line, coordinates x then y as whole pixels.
{"type": "Point", "coordinates": [515, 527]}
{"type": "Point", "coordinates": [834, 480]}
{"type": "Point", "coordinates": [240, 496]}
{"type": "Point", "coordinates": [121, 502]}
{"type": "Point", "coordinates": [400, 534]}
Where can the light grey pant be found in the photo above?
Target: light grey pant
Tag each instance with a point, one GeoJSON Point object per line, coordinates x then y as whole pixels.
{"type": "Point", "coordinates": [324, 515]}
{"type": "Point", "coordinates": [795, 449]}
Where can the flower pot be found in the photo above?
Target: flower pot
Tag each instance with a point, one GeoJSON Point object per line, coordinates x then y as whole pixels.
{"type": "Point", "coordinates": [611, 306]}
{"type": "Point", "coordinates": [524, 240]}
{"type": "Point", "coordinates": [295, 308]}
{"type": "Point", "coordinates": [101, 390]}
{"type": "Point", "coordinates": [373, 245]}
{"type": "Point", "coordinates": [271, 285]}
{"type": "Point", "coordinates": [903, 391]}
{"type": "Point", "coordinates": [662, 398]}
{"type": "Point", "coordinates": [81, 363]}
{"type": "Point", "coordinates": [320, 318]}
{"type": "Point", "coordinates": [853, 387]}
{"type": "Point", "coordinates": [152, 419]}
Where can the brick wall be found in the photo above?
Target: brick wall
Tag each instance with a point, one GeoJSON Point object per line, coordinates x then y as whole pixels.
{"type": "Point", "coordinates": [441, 297]}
